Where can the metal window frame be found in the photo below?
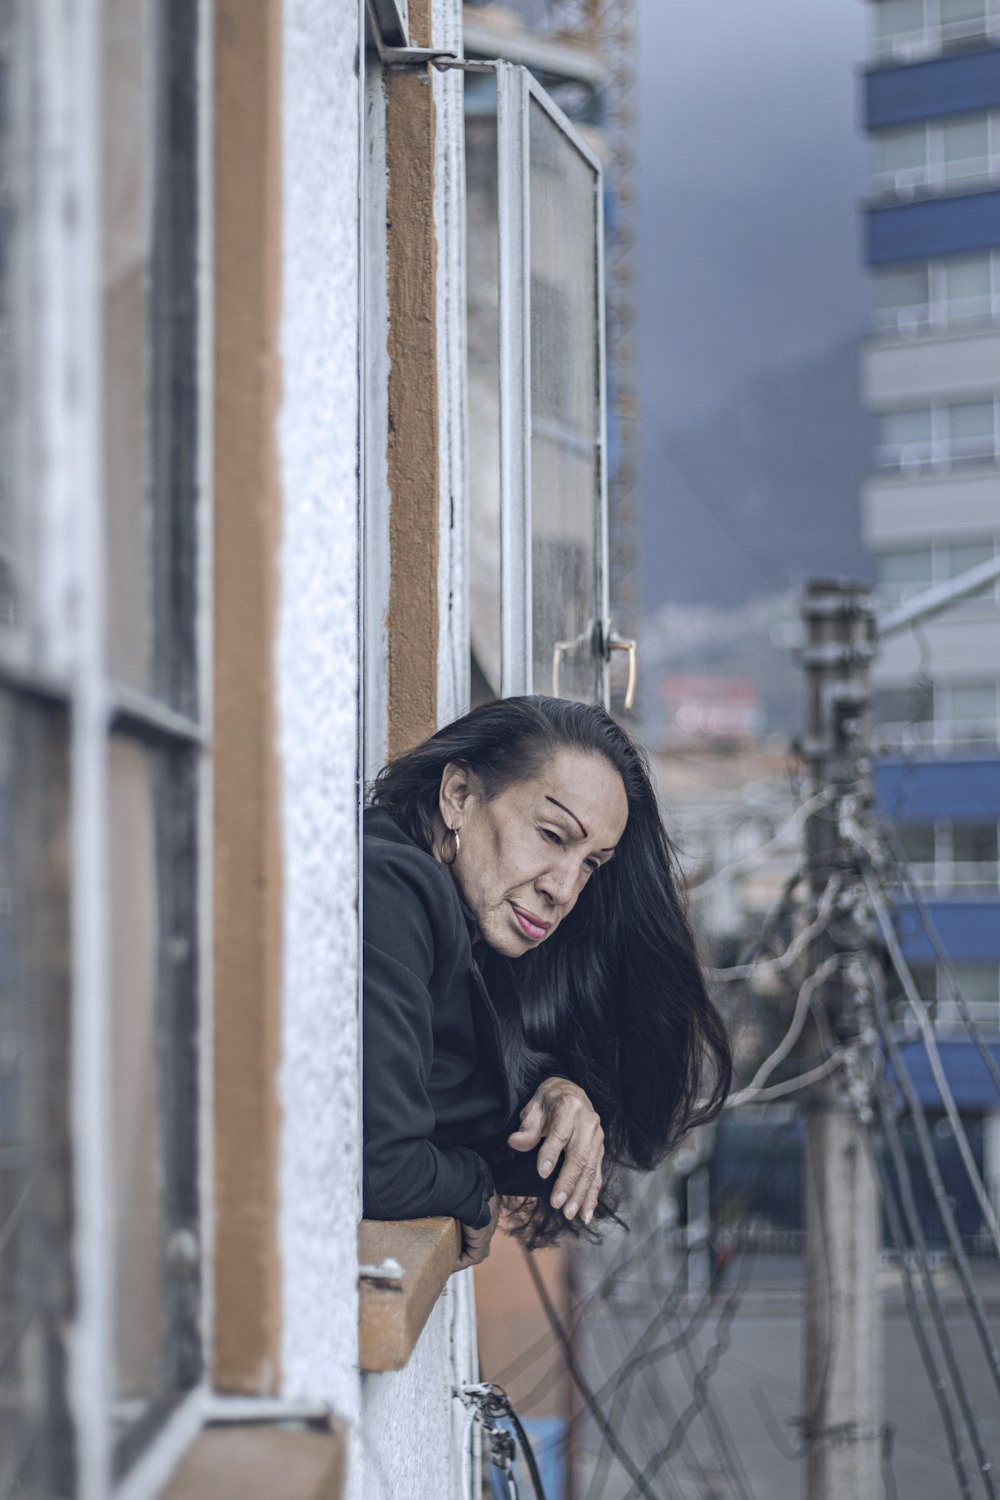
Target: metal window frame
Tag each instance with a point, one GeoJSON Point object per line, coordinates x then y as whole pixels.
{"type": "Point", "coordinates": [517, 89]}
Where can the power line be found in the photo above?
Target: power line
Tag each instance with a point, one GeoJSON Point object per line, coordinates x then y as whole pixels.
{"type": "Point", "coordinates": [945, 1211]}
{"type": "Point", "coordinates": [902, 867]}
{"type": "Point", "coordinates": [583, 1385]}
{"type": "Point", "coordinates": [905, 1188]}
{"type": "Point", "coordinates": [937, 1384]}
{"type": "Point", "coordinates": [933, 1055]}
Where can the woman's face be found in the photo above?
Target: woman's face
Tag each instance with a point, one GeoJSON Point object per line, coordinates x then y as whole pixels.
{"type": "Point", "coordinates": [526, 855]}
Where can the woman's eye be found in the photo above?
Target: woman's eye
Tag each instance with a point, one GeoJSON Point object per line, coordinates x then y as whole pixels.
{"type": "Point", "coordinates": [590, 865]}
{"type": "Point", "coordinates": [551, 835]}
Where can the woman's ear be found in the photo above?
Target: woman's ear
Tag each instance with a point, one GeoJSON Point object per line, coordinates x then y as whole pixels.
{"type": "Point", "coordinates": [456, 790]}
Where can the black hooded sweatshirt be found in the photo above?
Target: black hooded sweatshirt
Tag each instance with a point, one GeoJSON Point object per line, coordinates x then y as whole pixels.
{"type": "Point", "coordinates": [438, 1103]}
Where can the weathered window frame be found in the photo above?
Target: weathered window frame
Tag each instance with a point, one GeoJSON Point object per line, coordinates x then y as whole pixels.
{"type": "Point", "coordinates": [54, 660]}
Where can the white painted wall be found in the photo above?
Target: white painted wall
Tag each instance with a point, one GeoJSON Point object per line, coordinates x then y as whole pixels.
{"type": "Point", "coordinates": [410, 1436]}
{"type": "Point", "coordinates": [317, 673]}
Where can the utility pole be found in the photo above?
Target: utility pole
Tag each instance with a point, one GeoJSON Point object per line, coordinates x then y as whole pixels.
{"type": "Point", "coordinates": [842, 1425]}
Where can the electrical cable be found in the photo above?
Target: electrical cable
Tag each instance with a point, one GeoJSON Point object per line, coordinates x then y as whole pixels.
{"type": "Point", "coordinates": [902, 866]}
{"type": "Point", "coordinates": [790, 1085]}
{"type": "Point", "coordinates": [939, 1385]}
{"type": "Point", "coordinates": [616, 1417]}
{"type": "Point", "coordinates": [723, 1334]}
{"type": "Point", "coordinates": [933, 1055]}
{"type": "Point", "coordinates": [821, 799]}
{"type": "Point", "coordinates": [925, 1146]}
{"type": "Point", "coordinates": [803, 1002]}
{"type": "Point", "coordinates": [796, 947]}
{"type": "Point", "coordinates": [701, 1381]}
{"type": "Point", "coordinates": [582, 1384]}
{"type": "Point", "coordinates": [718, 1436]}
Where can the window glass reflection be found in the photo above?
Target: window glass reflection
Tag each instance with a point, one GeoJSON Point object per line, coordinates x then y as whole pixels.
{"type": "Point", "coordinates": [565, 476]}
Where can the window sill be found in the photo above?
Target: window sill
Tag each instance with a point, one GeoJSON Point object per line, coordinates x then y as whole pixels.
{"type": "Point", "coordinates": [393, 1318]}
{"type": "Point", "coordinates": [256, 1463]}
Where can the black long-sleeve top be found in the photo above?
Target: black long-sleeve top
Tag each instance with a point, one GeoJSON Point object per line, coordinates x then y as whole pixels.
{"type": "Point", "coordinates": [438, 1104]}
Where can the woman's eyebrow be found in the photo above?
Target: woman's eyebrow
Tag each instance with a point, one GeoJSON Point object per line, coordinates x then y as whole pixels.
{"type": "Point", "coordinates": [566, 810]}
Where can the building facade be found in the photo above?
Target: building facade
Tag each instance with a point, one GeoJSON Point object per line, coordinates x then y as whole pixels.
{"type": "Point", "coordinates": [233, 579]}
{"type": "Point", "coordinates": [931, 505]}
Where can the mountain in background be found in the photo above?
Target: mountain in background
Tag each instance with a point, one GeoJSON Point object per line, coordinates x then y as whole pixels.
{"type": "Point", "coordinates": [763, 493]}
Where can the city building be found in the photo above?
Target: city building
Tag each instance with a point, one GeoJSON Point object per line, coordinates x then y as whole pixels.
{"type": "Point", "coordinates": [233, 579]}
{"type": "Point", "coordinates": [931, 504]}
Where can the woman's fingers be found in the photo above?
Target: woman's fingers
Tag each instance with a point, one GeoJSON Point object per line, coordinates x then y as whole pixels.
{"type": "Point", "coordinates": [590, 1203]}
{"type": "Point", "coordinates": [531, 1128]}
{"type": "Point", "coordinates": [561, 1121]}
{"type": "Point", "coordinates": [574, 1184]}
{"type": "Point", "coordinates": [582, 1165]}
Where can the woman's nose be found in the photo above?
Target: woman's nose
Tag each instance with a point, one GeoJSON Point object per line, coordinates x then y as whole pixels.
{"type": "Point", "coordinates": [558, 884]}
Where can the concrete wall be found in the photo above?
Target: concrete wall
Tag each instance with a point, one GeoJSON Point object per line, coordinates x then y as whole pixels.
{"type": "Point", "coordinates": [912, 372]}
{"type": "Point", "coordinates": [897, 511]}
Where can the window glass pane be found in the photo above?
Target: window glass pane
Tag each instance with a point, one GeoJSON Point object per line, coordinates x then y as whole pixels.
{"type": "Point", "coordinates": [126, 263]}
{"type": "Point", "coordinates": [896, 17]}
{"type": "Point", "coordinates": [901, 150]}
{"type": "Point", "coordinates": [961, 559]}
{"type": "Point", "coordinates": [904, 287]}
{"type": "Point", "coordinates": [901, 427]}
{"type": "Point", "coordinates": [965, 145]}
{"type": "Point", "coordinates": [974, 701]}
{"type": "Point", "coordinates": [913, 704]}
{"type": "Point", "coordinates": [962, 10]}
{"type": "Point", "coordinates": [136, 1104]}
{"type": "Point", "coordinates": [153, 1210]}
{"type": "Point", "coordinates": [970, 429]}
{"type": "Point", "coordinates": [484, 388]}
{"type": "Point", "coordinates": [901, 574]}
{"type": "Point", "coordinates": [971, 420]}
{"type": "Point", "coordinates": [36, 1289]}
{"type": "Point", "coordinates": [967, 279]}
{"type": "Point", "coordinates": [918, 840]}
{"type": "Point", "coordinates": [13, 537]}
{"type": "Point", "coordinates": [564, 409]}
{"type": "Point", "coordinates": [978, 983]}
{"type": "Point", "coordinates": [150, 143]}
{"type": "Point", "coordinates": [975, 843]}
{"type": "Point", "coordinates": [973, 712]}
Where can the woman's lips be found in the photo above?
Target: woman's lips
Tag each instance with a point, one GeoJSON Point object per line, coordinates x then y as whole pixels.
{"type": "Point", "coordinates": [531, 926]}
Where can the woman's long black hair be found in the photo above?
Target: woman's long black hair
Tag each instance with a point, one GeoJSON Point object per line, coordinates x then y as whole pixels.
{"type": "Point", "coordinates": [615, 1000]}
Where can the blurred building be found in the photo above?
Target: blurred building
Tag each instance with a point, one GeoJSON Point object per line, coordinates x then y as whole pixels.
{"type": "Point", "coordinates": [931, 505]}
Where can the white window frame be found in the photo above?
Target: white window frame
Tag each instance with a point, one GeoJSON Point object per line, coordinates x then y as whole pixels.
{"type": "Point", "coordinates": [942, 453]}
{"type": "Point", "coordinates": [935, 175]}
{"type": "Point", "coordinates": [939, 312]}
{"type": "Point", "coordinates": [941, 572]}
{"type": "Point", "coordinates": [983, 1012]}
{"type": "Point", "coordinates": [516, 89]}
{"type": "Point", "coordinates": [947, 735]}
{"type": "Point", "coordinates": [945, 876]}
{"type": "Point", "coordinates": [934, 35]}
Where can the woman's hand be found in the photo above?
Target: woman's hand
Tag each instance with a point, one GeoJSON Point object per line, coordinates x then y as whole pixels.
{"type": "Point", "coordinates": [562, 1117]}
{"type": "Point", "coordinates": [476, 1242]}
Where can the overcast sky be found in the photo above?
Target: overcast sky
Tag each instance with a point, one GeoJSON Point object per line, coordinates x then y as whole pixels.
{"type": "Point", "coordinates": [751, 168]}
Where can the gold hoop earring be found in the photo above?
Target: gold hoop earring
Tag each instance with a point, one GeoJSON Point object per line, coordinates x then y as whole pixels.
{"type": "Point", "coordinates": [458, 844]}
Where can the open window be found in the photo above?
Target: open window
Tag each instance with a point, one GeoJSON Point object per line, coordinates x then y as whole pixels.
{"type": "Point", "coordinates": [538, 470]}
